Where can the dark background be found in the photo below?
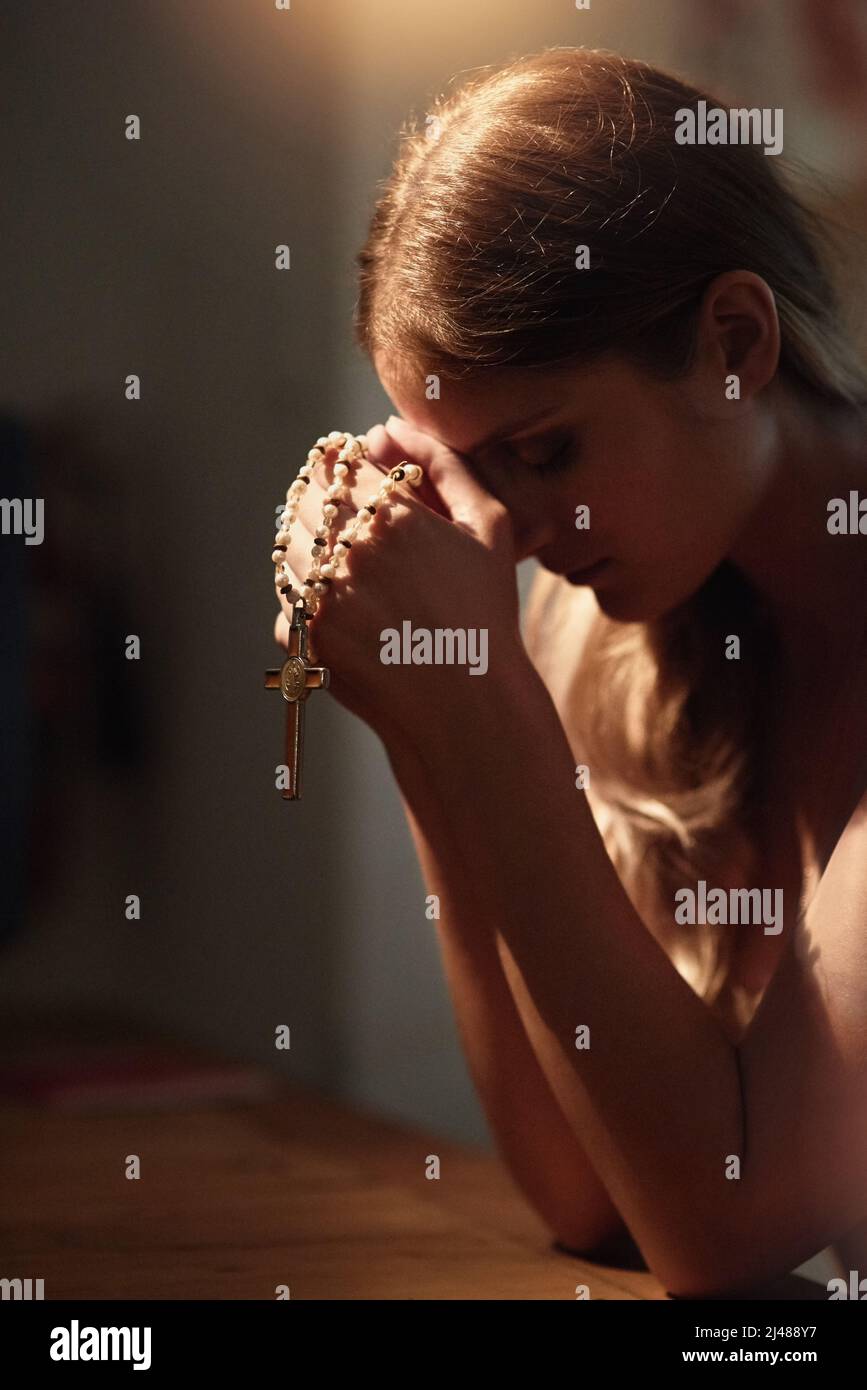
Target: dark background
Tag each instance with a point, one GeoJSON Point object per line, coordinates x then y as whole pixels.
{"type": "Point", "coordinates": [156, 257]}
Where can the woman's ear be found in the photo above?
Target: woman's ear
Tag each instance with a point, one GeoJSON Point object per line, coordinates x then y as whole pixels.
{"type": "Point", "coordinates": [738, 334]}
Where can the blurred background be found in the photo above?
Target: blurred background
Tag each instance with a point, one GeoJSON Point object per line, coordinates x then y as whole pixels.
{"type": "Point", "coordinates": [156, 257]}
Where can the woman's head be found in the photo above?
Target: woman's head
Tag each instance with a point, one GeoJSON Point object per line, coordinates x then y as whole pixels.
{"type": "Point", "coordinates": [605, 464]}
{"type": "Point", "coordinates": [480, 308]}
{"type": "Point", "coordinates": [545, 247]}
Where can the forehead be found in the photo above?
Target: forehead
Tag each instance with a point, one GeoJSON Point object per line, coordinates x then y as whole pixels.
{"type": "Point", "coordinates": [490, 401]}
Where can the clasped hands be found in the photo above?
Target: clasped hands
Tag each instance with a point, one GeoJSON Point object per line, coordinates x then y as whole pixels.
{"type": "Point", "coordinates": [441, 556]}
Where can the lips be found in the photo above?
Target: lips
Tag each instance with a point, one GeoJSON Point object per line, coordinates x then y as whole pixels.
{"type": "Point", "coordinates": [587, 573]}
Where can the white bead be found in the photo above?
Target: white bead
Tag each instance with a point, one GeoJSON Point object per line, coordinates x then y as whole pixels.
{"type": "Point", "coordinates": [327, 570]}
{"type": "Point", "coordinates": [335, 437]}
{"type": "Point", "coordinates": [340, 548]}
{"type": "Point", "coordinates": [282, 538]}
{"type": "Point", "coordinates": [329, 509]}
{"type": "Point", "coordinates": [341, 470]}
{"type": "Point", "coordinates": [322, 532]}
{"type": "Point", "coordinates": [320, 588]}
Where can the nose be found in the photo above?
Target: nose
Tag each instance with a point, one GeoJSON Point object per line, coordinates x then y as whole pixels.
{"type": "Point", "coordinates": [531, 533]}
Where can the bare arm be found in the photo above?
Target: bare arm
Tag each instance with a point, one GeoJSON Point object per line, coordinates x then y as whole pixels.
{"type": "Point", "coordinates": [545, 1158]}
{"type": "Point", "coordinates": [662, 1099]}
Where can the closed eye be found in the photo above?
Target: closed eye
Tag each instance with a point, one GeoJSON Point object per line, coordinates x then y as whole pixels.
{"type": "Point", "coordinates": [563, 457]}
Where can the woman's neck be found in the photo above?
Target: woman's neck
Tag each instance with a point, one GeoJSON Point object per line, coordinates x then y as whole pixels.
{"type": "Point", "coordinates": [814, 582]}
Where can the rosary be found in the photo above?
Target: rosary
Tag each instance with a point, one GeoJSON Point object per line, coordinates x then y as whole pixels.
{"type": "Point", "coordinates": [297, 676]}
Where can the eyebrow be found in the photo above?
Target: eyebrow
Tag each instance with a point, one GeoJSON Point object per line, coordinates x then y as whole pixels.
{"type": "Point", "coordinates": [510, 430]}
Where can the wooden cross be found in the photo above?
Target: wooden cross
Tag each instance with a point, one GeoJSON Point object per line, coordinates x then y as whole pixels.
{"type": "Point", "coordinates": [296, 678]}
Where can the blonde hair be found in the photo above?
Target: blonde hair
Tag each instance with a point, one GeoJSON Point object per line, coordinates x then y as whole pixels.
{"type": "Point", "coordinates": [469, 265]}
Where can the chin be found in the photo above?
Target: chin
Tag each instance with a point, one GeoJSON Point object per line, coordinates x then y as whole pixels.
{"type": "Point", "coordinates": [633, 606]}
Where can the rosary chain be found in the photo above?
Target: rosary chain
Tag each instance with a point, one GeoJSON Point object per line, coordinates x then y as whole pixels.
{"type": "Point", "coordinates": [351, 450]}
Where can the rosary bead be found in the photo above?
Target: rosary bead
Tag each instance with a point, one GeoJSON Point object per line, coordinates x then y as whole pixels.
{"type": "Point", "coordinates": [350, 449]}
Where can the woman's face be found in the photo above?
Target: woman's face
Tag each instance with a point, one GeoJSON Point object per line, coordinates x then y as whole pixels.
{"type": "Point", "coordinates": [669, 472]}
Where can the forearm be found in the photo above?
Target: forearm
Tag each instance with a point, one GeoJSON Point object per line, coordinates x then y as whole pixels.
{"type": "Point", "coordinates": [547, 1161]}
{"type": "Point", "coordinates": [656, 1096]}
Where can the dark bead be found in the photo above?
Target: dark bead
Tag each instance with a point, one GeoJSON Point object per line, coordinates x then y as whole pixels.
{"type": "Point", "coordinates": [397, 474]}
{"type": "Point", "coordinates": [280, 547]}
{"type": "Point", "coordinates": [371, 509]}
{"type": "Point", "coordinates": [348, 544]}
{"type": "Point", "coordinates": [305, 480]}
{"type": "Point", "coordinates": [318, 540]}
{"type": "Point", "coordinates": [287, 590]}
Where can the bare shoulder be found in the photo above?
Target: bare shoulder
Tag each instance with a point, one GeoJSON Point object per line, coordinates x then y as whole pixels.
{"type": "Point", "coordinates": [557, 619]}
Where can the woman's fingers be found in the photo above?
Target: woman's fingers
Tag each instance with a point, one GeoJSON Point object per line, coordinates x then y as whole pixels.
{"type": "Point", "coordinates": [384, 451]}
{"type": "Point", "coordinates": [363, 480]}
{"type": "Point", "coordinates": [466, 501]}
{"type": "Point", "coordinates": [281, 629]}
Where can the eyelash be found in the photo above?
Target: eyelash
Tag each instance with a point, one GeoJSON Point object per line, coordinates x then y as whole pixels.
{"type": "Point", "coordinates": [563, 458]}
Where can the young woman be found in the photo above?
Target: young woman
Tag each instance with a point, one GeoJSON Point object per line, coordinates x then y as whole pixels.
{"type": "Point", "coordinates": [621, 354]}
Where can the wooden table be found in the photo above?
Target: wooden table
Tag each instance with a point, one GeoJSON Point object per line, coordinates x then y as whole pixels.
{"type": "Point", "coordinates": [296, 1190]}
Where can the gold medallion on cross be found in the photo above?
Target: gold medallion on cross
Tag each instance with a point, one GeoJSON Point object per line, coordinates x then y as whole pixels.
{"type": "Point", "coordinates": [295, 679]}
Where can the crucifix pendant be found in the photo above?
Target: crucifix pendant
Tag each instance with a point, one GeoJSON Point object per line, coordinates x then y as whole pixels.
{"type": "Point", "coordinates": [295, 679]}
